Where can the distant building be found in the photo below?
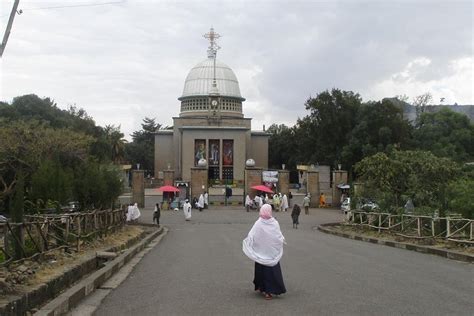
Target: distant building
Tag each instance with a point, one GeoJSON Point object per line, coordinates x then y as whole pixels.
{"type": "Point", "coordinates": [210, 125]}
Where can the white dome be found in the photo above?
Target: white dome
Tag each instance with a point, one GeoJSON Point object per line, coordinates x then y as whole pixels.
{"type": "Point", "coordinates": [199, 80]}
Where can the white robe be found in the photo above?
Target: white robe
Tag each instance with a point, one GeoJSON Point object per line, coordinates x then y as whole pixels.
{"type": "Point", "coordinates": [248, 201]}
{"type": "Point", "coordinates": [206, 199]}
{"type": "Point", "coordinates": [129, 213]}
{"type": "Point", "coordinates": [135, 212]}
{"type": "Point", "coordinates": [264, 243]}
{"type": "Point", "coordinates": [284, 203]}
{"type": "Point", "coordinates": [201, 201]}
{"type": "Point", "coordinates": [187, 210]}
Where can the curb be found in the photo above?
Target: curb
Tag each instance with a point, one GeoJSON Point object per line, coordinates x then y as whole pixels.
{"type": "Point", "coordinates": [71, 297]}
{"type": "Point", "coordinates": [449, 254]}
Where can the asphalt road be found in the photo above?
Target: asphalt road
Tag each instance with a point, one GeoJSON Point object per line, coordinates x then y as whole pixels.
{"type": "Point", "coordinates": [199, 269]}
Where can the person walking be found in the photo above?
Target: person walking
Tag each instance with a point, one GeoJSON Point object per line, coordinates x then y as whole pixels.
{"type": "Point", "coordinates": [264, 245]}
{"type": "Point", "coordinates": [306, 201]}
{"type": "Point", "coordinates": [248, 202]}
{"type": "Point", "coordinates": [187, 210]}
{"type": "Point", "coordinates": [295, 214]}
{"type": "Point", "coordinates": [276, 202]}
{"type": "Point", "coordinates": [157, 214]}
{"type": "Point", "coordinates": [284, 203]}
{"type": "Point", "coordinates": [200, 202]}
{"type": "Point", "coordinates": [322, 200]}
{"type": "Point", "coordinates": [206, 200]}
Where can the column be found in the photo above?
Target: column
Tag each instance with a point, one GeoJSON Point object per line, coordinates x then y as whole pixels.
{"type": "Point", "coordinates": [138, 187]}
{"type": "Point", "coordinates": [312, 187]}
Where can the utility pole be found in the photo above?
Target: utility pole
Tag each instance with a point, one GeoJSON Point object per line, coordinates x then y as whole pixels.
{"type": "Point", "coordinates": [9, 26]}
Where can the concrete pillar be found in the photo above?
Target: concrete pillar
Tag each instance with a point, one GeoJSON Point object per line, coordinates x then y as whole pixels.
{"type": "Point", "coordinates": [138, 188]}
{"type": "Point", "coordinates": [253, 176]}
{"type": "Point", "coordinates": [312, 187]}
{"type": "Point", "coordinates": [168, 177]}
{"type": "Point", "coordinates": [339, 177]}
{"type": "Point", "coordinates": [199, 181]}
{"type": "Point", "coordinates": [284, 181]}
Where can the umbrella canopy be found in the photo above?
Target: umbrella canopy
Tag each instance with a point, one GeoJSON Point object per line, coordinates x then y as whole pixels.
{"type": "Point", "coordinates": [168, 188]}
{"type": "Point", "coordinates": [262, 188]}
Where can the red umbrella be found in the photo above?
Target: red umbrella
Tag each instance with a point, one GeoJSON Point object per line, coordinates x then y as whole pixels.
{"type": "Point", "coordinates": [262, 188]}
{"type": "Point", "coordinates": [168, 188]}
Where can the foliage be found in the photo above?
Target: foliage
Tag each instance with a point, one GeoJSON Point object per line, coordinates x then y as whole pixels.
{"type": "Point", "coordinates": [461, 197]}
{"type": "Point", "coordinates": [141, 149]}
{"type": "Point", "coordinates": [419, 175]}
{"type": "Point", "coordinates": [446, 134]}
{"type": "Point", "coordinates": [282, 145]}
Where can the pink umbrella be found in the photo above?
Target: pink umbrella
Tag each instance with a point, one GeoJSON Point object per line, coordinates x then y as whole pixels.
{"type": "Point", "coordinates": [168, 188]}
{"type": "Point", "coordinates": [262, 188]}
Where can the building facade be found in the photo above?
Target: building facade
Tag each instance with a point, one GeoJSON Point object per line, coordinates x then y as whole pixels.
{"type": "Point", "coordinates": [211, 126]}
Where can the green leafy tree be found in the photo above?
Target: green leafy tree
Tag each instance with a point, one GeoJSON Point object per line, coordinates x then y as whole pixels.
{"type": "Point", "coordinates": [141, 149]}
{"type": "Point", "coordinates": [445, 134]}
{"type": "Point", "coordinates": [416, 174]}
{"type": "Point", "coordinates": [324, 132]}
{"type": "Point", "coordinates": [281, 146]}
{"type": "Point", "coordinates": [461, 193]}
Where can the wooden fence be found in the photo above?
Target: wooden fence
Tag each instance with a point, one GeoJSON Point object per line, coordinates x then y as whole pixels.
{"type": "Point", "coordinates": [416, 226]}
{"type": "Point", "coordinates": [39, 234]}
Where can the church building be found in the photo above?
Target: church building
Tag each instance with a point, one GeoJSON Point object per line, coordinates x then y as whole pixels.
{"type": "Point", "coordinates": [211, 126]}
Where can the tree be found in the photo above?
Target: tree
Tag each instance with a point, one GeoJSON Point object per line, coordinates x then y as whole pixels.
{"type": "Point", "coordinates": [421, 101]}
{"type": "Point", "coordinates": [446, 134]}
{"type": "Point", "coordinates": [141, 149]}
{"type": "Point", "coordinates": [281, 146]}
{"type": "Point", "coordinates": [380, 127]}
{"type": "Point", "coordinates": [408, 174]}
{"type": "Point", "coordinates": [324, 132]}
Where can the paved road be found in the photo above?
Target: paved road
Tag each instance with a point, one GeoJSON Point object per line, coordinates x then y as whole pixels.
{"type": "Point", "coordinates": [199, 269]}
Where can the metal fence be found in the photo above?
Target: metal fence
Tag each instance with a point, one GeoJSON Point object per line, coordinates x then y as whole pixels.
{"type": "Point", "coordinates": [40, 234]}
{"type": "Point", "coordinates": [416, 226]}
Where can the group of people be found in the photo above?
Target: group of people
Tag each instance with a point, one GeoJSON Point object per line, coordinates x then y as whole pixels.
{"type": "Point", "coordinates": [202, 202]}
{"type": "Point", "coordinates": [280, 202]}
{"type": "Point", "coordinates": [133, 213]}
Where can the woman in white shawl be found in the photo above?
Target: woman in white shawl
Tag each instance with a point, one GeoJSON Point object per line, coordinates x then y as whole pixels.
{"type": "Point", "coordinates": [264, 245]}
{"type": "Point", "coordinates": [201, 202]}
{"type": "Point", "coordinates": [284, 203]}
{"type": "Point", "coordinates": [187, 210]}
{"type": "Point", "coordinates": [135, 213]}
{"type": "Point", "coordinates": [248, 202]}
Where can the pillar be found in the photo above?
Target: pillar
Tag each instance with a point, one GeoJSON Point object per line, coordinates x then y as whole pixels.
{"type": "Point", "coordinates": [198, 181]}
{"type": "Point", "coordinates": [312, 187]}
{"type": "Point", "coordinates": [168, 177]}
{"type": "Point", "coordinates": [253, 176]}
{"type": "Point", "coordinates": [284, 181]}
{"type": "Point", "coordinates": [138, 188]}
{"type": "Point", "coordinates": [339, 177]}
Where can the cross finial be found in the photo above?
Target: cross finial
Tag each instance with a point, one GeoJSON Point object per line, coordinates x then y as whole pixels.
{"type": "Point", "coordinates": [213, 47]}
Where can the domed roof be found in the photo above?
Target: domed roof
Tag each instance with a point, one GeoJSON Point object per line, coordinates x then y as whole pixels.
{"type": "Point", "coordinates": [199, 80]}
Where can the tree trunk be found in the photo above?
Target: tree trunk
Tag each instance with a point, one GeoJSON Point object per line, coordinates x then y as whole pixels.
{"type": "Point", "coordinates": [17, 214]}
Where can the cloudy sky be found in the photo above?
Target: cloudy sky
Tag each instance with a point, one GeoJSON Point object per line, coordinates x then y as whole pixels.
{"type": "Point", "coordinates": [127, 60]}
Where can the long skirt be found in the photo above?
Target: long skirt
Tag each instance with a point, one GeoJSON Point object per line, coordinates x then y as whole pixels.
{"type": "Point", "coordinates": [295, 219]}
{"type": "Point", "coordinates": [269, 279]}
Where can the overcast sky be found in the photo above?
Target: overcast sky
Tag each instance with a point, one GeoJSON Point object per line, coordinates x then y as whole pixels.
{"type": "Point", "coordinates": [124, 61]}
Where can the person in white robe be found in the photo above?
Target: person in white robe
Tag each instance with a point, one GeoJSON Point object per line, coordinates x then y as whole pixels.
{"type": "Point", "coordinates": [201, 202]}
{"type": "Point", "coordinates": [129, 212]}
{"type": "Point", "coordinates": [135, 213]}
{"type": "Point", "coordinates": [248, 203]}
{"type": "Point", "coordinates": [206, 200]}
{"type": "Point", "coordinates": [187, 210]}
{"type": "Point", "coordinates": [264, 245]}
{"type": "Point", "coordinates": [284, 203]}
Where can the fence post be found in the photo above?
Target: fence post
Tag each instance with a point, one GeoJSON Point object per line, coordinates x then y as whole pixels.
{"type": "Point", "coordinates": [418, 224]}
{"type": "Point", "coordinates": [448, 228]}
{"type": "Point", "coordinates": [78, 220]}
{"type": "Point", "coordinates": [432, 227]}
{"type": "Point", "coordinates": [472, 226]}
{"type": "Point", "coordinates": [401, 225]}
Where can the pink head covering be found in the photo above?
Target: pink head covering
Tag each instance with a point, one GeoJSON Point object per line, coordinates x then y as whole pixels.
{"type": "Point", "coordinates": [266, 211]}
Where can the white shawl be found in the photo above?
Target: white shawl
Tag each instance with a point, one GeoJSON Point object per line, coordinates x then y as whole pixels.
{"type": "Point", "coordinates": [284, 203]}
{"type": "Point", "coordinates": [201, 201]}
{"type": "Point", "coordinates": [187, 210]}
{"type": "Point", "coordinates": [135, 212]}
{"type": "Point", "coordinates": [264, 243]}
{"type": "Point", "coordinates": [248, 200]}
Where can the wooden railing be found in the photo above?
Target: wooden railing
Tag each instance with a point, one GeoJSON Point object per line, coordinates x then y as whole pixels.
{"type": "Point", "coordinates": [416, 226]}
{"type": "Point", "coordinates": [39, 234]}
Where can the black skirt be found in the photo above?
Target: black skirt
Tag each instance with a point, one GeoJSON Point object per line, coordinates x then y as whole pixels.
{"type": "Point", "coordinates": [269, 279]}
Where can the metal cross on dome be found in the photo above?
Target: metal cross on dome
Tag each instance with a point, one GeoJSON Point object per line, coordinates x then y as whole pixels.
{"type": "Point", "coordinates": [213, 47]}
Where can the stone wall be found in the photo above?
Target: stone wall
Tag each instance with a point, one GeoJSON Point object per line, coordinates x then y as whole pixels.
{"type": "Point", "coordinates": [253, 176]}
{"type": "Point", "coordinates": [313, 187]}
{"type": "Point", "coordinates": [138, 187]}
{"type": "Point", "coordinates": [198, 181]}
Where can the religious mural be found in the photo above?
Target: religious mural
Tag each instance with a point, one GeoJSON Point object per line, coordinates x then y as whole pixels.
{"type": "Point", "coordinates": [228, 152]}
{"type": "Point", "coordinates": [199, 150]}
{"type": "Point", "coordinates": [214, 156]}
